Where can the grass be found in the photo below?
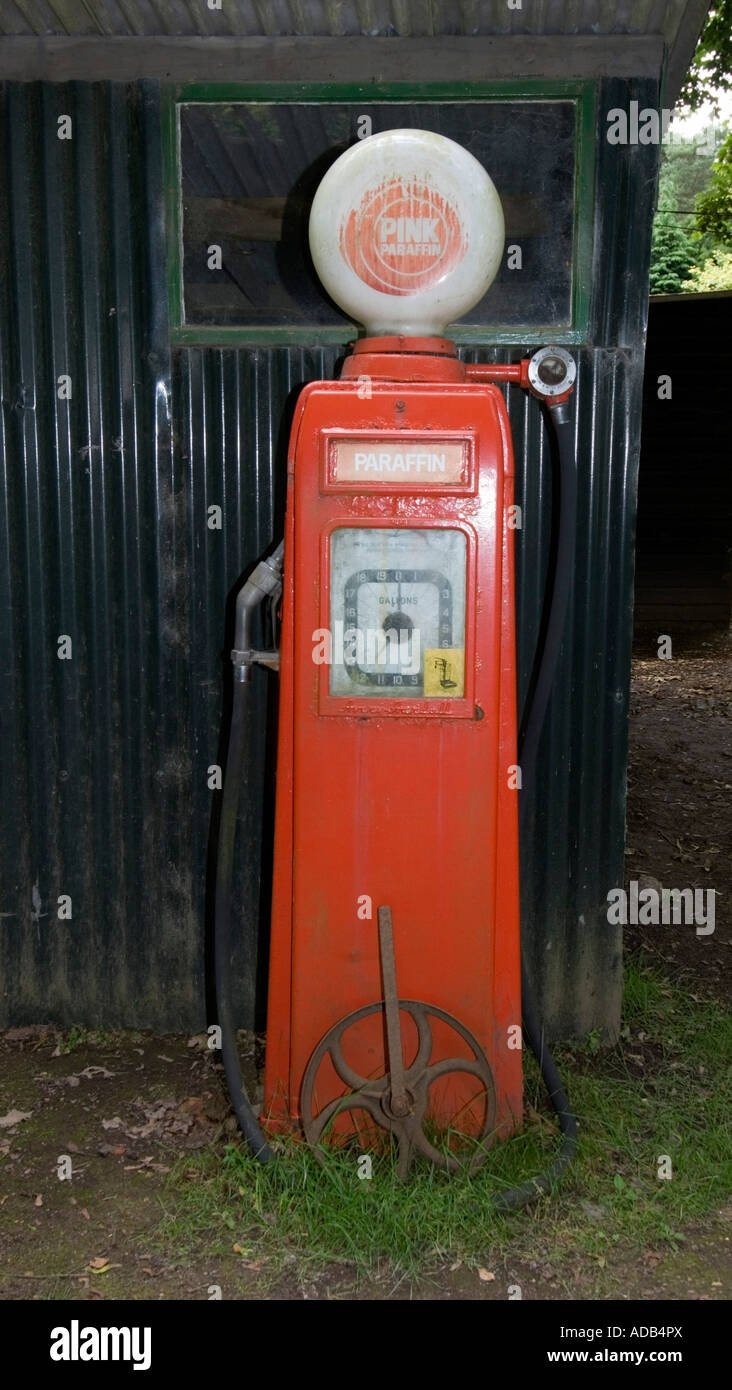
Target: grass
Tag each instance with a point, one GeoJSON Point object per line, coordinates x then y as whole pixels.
{"type": "Point", "coordinates": [658, 1096]}
{"type": "Point", "coordinates": [80, 1036]}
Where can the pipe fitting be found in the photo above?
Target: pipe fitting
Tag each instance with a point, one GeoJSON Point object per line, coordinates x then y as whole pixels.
{"type": "Point", "coordinates": [265, 581]}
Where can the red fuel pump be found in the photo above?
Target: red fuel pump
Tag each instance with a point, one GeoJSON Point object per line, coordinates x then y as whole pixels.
{"type": "Point", "coordinates": [395, 998]}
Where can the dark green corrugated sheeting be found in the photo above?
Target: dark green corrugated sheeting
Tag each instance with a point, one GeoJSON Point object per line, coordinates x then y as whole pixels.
{"type": "Point", "coordinates": [97, 796]}
{"type": "Point", "coordinates": [106, 756]}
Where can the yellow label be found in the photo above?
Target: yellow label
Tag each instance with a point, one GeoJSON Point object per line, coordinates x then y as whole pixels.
{"type": "Point", "coordinates": [444, 671]}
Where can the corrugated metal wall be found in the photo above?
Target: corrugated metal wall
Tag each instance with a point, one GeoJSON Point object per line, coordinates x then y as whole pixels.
{"type": "Point", "coordinates": [105, 756]}
{"type": "Point", "coordinates": [96, 790]}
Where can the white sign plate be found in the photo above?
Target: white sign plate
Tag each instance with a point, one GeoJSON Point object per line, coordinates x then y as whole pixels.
{"type": "Point", "coordinates": [391, 462]}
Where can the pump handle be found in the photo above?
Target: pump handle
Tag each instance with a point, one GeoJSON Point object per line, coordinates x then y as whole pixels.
{"type": "Point", "coordinates": [399, 1100]}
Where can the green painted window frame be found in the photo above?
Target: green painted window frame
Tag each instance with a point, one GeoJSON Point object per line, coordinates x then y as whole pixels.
{"type": "Point", "coordinates": [583, 92]}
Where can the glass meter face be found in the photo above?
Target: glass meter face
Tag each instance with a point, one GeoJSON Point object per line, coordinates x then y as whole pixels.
{"type": "Point", "coordinates": [397, 612]}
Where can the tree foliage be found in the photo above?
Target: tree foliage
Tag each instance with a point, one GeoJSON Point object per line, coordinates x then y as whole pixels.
{"type": "Point", "coordinates": [676, 246]}
{"type": "Point", "coordinates": [714, 204]}
{"type": "Point", "coordinates": [692, 231]}
{"type": "Point", "coordinates": [686, 167]}
{"type": "Point", "coordinates": [714, 274]}
{"type": "Point", "coordinates": [711, 68]}
{"type": "Point", "coordinates": [672, 255]}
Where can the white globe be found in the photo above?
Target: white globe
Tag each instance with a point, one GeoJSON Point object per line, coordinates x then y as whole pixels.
{"type": "Point", "coordinates": [406, 232]}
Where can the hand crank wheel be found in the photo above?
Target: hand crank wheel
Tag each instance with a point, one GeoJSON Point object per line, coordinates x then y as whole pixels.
{"type": "Point", "coordinates": [401, 1108]}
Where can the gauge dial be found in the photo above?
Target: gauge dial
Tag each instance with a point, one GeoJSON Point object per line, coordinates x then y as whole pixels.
{"type": "Point", "coordinates": [397, 612]}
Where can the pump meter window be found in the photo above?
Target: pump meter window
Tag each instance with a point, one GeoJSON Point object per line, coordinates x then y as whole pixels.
{"type": "Point", "coordinates": [397, 612]}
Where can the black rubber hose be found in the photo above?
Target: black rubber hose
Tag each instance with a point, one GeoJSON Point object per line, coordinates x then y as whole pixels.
{"type": "Point", "coordinates": [545, 665]}
{"type": "Point", "coordinates": [544, 1182]}
{"type": "Point", "coordinates": [223, 948]}
{"type": "Point", "coordinates": [528, 743]}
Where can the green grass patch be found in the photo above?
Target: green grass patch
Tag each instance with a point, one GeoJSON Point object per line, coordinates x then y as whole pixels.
{"type": "Point", "coordinates": [657, 1098]}
{"type": "Point", "coordinates": [79, 1036]}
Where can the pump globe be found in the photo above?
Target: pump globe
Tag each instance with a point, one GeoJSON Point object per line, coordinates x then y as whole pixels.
{"type": "Point", "coordinates": [406, 232]}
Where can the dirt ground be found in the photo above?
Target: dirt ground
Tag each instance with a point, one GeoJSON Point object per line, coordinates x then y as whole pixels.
{"type": "Point", "coordinates": [120, 1109]}
{"type": "Point", "coordinates": [679, 816]}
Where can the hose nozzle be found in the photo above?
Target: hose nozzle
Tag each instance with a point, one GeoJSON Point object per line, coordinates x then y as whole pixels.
{"type": "Point", "coordinates": [265, 581]}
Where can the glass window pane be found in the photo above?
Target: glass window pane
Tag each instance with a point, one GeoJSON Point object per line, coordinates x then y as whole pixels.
{"type": "Point", "coordinates": [250, 170]}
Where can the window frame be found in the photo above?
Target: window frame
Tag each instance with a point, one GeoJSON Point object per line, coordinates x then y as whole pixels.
{"type": "Point", "coordinates": [241, 335]}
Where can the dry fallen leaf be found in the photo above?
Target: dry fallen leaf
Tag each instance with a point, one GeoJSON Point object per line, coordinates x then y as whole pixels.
{"type": "Point", "coordinates": [193, 1105]}
{"type": "Point", "coordinates": [486, 1276]}
{"type": "Point", "coordinates": [14, 1117]}
{"type": "Point", "coordinates": [99, 1263]}
{"type": "Point", "coordinates": [32, 1030]}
